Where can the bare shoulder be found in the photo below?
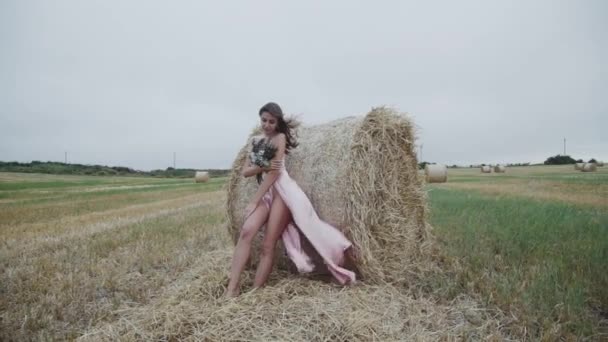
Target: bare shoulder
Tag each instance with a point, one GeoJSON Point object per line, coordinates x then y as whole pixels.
{"type": "Point", "coordinates": [279, 139]}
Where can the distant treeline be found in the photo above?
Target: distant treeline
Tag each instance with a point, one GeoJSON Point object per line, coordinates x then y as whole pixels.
{"type": "Point", "coordinates": [424, 164]}
{"type": "Point", "coordinates": [553, 160]}
{"type": "Point", "coordinates": [101, 170]}
{"type": "Point", "coordinates": [565, 159]}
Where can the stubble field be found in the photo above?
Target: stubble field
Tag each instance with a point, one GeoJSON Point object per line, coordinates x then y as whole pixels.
{"type": "Point", "coordinates": [104, 258]}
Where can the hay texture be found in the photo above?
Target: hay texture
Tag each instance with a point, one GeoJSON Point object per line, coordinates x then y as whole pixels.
{"type": "Point", "coordinates": [201, 177]}
{"type": "Point", "coordinates": [436, 173]}
{"type": "Point", "coordinates": [589, 167]}
{"type": "Point", "coordinates": [579, 166]}
{"type": "Point", "coordinates": [360, 174]}
{"type": "Point", "coordinates": [486, 169]}
{"type": "Point", "coordinates": [500, 169]}
{"type": "Point", "coordinates": [292, 308]}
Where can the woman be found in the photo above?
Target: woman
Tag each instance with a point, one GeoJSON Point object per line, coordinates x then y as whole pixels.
{"type": "Point", "coordinates": [282, 205]}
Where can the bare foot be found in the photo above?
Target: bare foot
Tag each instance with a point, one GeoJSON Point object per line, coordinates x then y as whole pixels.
{"type": "Point", "coordinates": [231, 293]}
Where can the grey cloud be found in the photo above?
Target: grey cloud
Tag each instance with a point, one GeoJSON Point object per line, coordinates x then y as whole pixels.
{"type": "Point", "coordinates": [129, 83]}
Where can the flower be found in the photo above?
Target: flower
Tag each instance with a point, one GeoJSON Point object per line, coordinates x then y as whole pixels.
{"type": "Point", "coordinates": [262, 153]}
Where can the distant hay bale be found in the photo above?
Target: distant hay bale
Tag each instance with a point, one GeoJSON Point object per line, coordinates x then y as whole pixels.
{"type": "Point", "coordinates": [599, 164]}
{"type": "Point", "coordinates": [486, 169]}
{"type": "Point", "coordinates": [589, 167]}
{"type": "Point", "coordinates": [201, 177]}
{"type": "Point", "coordinates": [579, 166]}
{"type": "Point", "coordinates": [436, 173]}
{"type": "Point", "coordinates": [360, 174]}
{"type": "Point", "coordinates": [500, 169]}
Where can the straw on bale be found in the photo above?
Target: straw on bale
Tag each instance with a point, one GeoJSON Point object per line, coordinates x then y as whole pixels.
{"type": "Point", "coordinates": [360, 174]}
{"type": "Point", "coordinates": [579, 166]}
{"type": "Point", "coordinates": [201, 177]}
{"type": "Point", "coordinates": [500, 169]}
{"type": "Point", "coordinates": [589, 167]}
{"type": "Point", "coordinates": [436, 173]}
{"type": "Point", "coordinates": [486, 169]}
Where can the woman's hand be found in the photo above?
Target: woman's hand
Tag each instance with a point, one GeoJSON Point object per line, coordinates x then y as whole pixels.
{"type": "Point", "coordinates": [249, 209]}
{"type": "Point", "coordinates": [274, 165]}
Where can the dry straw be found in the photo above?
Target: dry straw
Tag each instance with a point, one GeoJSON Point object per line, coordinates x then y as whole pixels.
{"type": "Point", "coordinates": [500, 169]}
{"type": "Point", "coordinates": [589, 167]}
{"type": "Point", "coordinates": [292, 308]}
{"type": "Point", "coordinates": [201, 177]}
{"type": "Point", "coordinates": [360, 174]}
{"type": "Point", "coordinates": [579, 166]}
{"type": "Point", "coordinates": [486, 169]}
{"type": "Point", "coordinates": [436, 173]}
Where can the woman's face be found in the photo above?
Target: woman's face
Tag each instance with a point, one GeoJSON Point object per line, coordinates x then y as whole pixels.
{"type": "Point", "coordinates": [269, 123]}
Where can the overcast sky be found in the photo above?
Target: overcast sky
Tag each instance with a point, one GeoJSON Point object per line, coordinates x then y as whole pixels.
{"type": "Point", "coordinates": [130, 82]}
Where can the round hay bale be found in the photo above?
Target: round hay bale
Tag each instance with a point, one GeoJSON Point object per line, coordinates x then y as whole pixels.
{"type": "Point", "coordinates": [579, 166]}
{"type": "Point", "coordinates": [360, 174]}
{"type": "Point", "coordinates": [589, 167]}
{"type": "Point", "coordinates": [486, 169]}
{"type": "Point", "coordinates": [500, 169]}
{"type": "Point", "coordinates": [599, 164]}
{"type": "Point", "coordinates": [436, 173]}
{"type": "Point", "coordinates": [201, 177]}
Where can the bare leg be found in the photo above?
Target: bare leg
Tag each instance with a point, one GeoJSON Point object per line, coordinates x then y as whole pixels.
{"type": "Point", "coordinates": [277, 221]}
{"type": "Point", "coordinates": [243, 247]}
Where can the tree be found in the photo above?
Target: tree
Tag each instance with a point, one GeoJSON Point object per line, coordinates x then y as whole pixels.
{"type": "Point", "coordinates": [559, 160]}
{"type": "Point", "coordinates": [423, 165]}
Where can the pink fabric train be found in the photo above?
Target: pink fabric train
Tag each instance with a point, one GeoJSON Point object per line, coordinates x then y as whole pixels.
{"type": "Point", "coordinates": [328, 241]}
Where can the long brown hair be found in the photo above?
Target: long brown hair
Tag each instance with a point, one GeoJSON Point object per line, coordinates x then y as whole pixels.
{"type": "Point", "coordinates": [286, 126]}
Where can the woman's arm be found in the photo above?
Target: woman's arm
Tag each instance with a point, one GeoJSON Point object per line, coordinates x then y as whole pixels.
{"type": "Point", "coordinates": [250, 170]}
{"type": "Point", "coordinates": [271, 177]}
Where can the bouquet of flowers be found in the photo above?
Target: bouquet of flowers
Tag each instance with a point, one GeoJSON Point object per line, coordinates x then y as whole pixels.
{"type": "Point", "coordinates": [262, 153]}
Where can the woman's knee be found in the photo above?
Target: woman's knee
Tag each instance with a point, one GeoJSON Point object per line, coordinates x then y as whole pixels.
{"type": "Point", "coordinates": [247, 232]}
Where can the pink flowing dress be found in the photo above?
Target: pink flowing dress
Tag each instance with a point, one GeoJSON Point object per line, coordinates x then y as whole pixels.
{"type": "Point", "coordinates": [327, 240]}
